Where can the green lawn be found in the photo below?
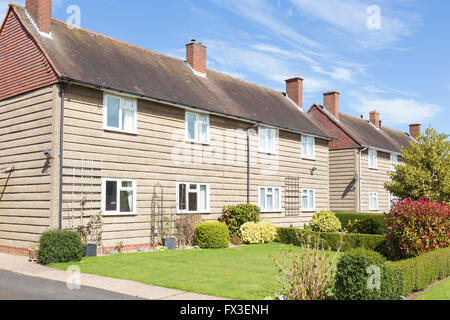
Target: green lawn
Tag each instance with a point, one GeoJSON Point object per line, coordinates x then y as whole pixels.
{"type": "Point", "coordinates": [438, 292]}
{"type": "Point", "coordinates": [239, 273]}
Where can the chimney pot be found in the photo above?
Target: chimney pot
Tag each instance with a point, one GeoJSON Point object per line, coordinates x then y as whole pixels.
{"type": "Point", "coordinates": [196, 56]}
{"type": "Point", "coordinates": [331, 103]}
{"type": "Point", "coordinates": [414, 130]}
{"type": "Point", "coordinates": [41, 12]}
{"type": "Point", "coordinates": [294, 90]}
{"type": "Point", "coordinates": [375, 119]}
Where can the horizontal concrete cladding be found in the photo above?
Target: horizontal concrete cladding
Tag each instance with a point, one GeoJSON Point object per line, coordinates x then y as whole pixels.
{"type": "Point", "coordinates": [343, 187]}
{"type": "Point", "coordinates": [159, 154]}
{"type": "Point", "coordinates": [26, 129]}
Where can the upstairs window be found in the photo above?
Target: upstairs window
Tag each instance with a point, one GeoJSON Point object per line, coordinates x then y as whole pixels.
{"type": "Point", "coordinates": [394, 162]}
{"type": "Point", "coordinates": [197, 128]}
{"type": "Point", "coordinates": [266, 140]}
{"type": "Point", "coordinates": [270, 199]}
{"type": "Point", "coordinates": [308, 148]}
{"type": "Point", "coordinates": [392, 201]}
{"type": "Point", "coordinates": [373, 159]}
{"type": "Point", "coordinates": [120, 114]}
{"type": "Point", "coordinates": [118, 197]}
{"type": "Point", "coordinates": [192, 198]}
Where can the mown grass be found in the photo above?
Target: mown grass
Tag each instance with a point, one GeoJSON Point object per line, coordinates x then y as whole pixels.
{"type": "Point", "coordinates": [246, 273]}
{"type": "Point", "coordinates": [440, 291]}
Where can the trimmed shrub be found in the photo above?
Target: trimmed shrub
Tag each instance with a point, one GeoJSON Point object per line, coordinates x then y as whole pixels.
{"type": "Point", "coordinates": [59, 246]}
{"type": "Point", "coordinates": [377, 218]}
{"type": "Point", "coordinates": [332, 240]}
{"type": "Point", "coordinates": [364, 275]}
{"type": "Point", "coordinates": [260, 232]}
{"type": "Point", "coordinates": [236, 216]}
{"type": "Point", "coordinates": [212, 235]}
{"type": "Point", "coordinates": [417, 227]}
{"type": "Point", "coordinates": [364, 226]}
{"type": "Point", "coordinates": [420, 272]}
{"type": "Point", "coordinates": [325, 221]}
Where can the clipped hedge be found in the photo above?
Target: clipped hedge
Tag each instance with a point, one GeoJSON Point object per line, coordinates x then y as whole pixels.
{"type": "Point", "coordinates": [332, 240]}
{"type": "Point", "coordinates": [212, 235]}
{"type": "Point", "coordinates": [325, 221]}
{"type": "Point", "coordinates": [59, 246]}
{"type": "Point", "coordinates": [363, 274]}
{"type": "Point", "coordinates": [420, 272]}
{"type": "Point", "coordinates": [378, 218]}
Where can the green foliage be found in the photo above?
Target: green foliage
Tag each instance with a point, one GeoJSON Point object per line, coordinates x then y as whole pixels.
{"type": "Point", "coordinates": [258, 232]}
{"type": "Point", "coordinates": [236, 216]}
{"type": "Point", "coordinates": [420, 272]}
{"type": "Point", "coordinates": [417, 227]}
{"type": "Point", "coordinates": [356, 277]}
{"type": "Point", "coordinates": [426, 169]}
{"type": "Point", "coordinates": [212, 235]}
{"type": "Point", "coordinates": [59, 246]}
{"type": "Point", "coordinates": [364, 226]}
{"type": "Point", "coordinates": [332, 240]}
{"type": "Point", "coordinates": [325, 221]}
{"type": "Point", "coordinates": [377, 218]}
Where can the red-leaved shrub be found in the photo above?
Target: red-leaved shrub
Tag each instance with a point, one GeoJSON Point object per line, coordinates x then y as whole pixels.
{"type": "Point", "coordinates": [417, 227]}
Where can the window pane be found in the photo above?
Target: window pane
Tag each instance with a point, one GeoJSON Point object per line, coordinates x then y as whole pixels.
{"type": "Point", "coordinates": [262, 198]}
{"type": "Point", "coordinates": [276, 200]}
{"type": "Point", "coordinates": [111, 196]}
{"type": "Point", "coordinates": [270, 141]}
{"type": "Point", "coordinates": [126, 201]}
{"type": "Point", "coordinates": [127, 184]}
{"type": "Point", "coordinates": [204, 132]}
{"type": "Point", "coordinates": [311, 199]}
{"type": "Point", "coordinates": [262, 139]}
{"type": "Point", "coordinates": [128, 120]}
{"type": "Point", "coordinates": [182, 197]}
{"type": "Point", "coordinates": [112, 106]}
{"type": "Point", "coordinates": [191, 119]}
{"type": "Point", "coordinates": [269, 198]}
{"type": "Point", "coordinates": [305, 200]}
{"type": "Point", "coordinates": [193, 201]}
{"type": "Point", "coordinates": [203, 198]}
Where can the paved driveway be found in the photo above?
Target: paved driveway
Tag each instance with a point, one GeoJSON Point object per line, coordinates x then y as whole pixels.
{"type": "Point", "coordinates": [14, 286]}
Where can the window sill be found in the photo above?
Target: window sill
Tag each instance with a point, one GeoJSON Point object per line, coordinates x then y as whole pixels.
{"type": "Point", "coordinates": [268, 153]}
{"type": "Point", "coordinates": [309, 211]}
{"type": "Point", "coordinates": [206, 212]}
{"type": "Point", "coordinates": [110, 214]}
{"type": "Point", "coordinates": [309, 159]}
{"type": "Point", "coordinates": [199, 143]}
{"type": "Point", "coordinates": [120, 131]}
{"type": "Point", "coordinates": [373, 168]}
{"type": "Point", "coordinates": [274, 211]}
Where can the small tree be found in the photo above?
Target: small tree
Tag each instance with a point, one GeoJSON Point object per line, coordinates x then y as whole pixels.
{"type": "Point", "coordinates": [426, 169]}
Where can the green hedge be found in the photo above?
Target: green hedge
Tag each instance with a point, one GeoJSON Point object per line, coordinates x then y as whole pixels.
{"type": "Point", "coordinates": [420, 272]}
{"type": "Point", "coordinates": [59, 246]}
{"type": "Point", "coordinates": [332, 240]}
{"type": "Point", "coordinates": [378, 218]}
{"type": "Point", "coordinates": [363, 274]}
{"type": "Point", "coordinates": [212, 235]}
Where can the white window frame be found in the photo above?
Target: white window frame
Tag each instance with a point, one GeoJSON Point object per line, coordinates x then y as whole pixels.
{"type": "Point", "coordinates": [373, 165]}
{"type": "Point", "coordinates": [371, 196]}
{"type": "Point", "coordinates": [394, 162]}
{"type": "Point", "coordinates": [121, 106]}
{"type": "Point", "coordinates": [310, 142]}
{"type": "Point", "coordinates": [197, 128]}
{"type": "Point", "coordinates": [208, 198]}
{"type": "Point", "coordinates": [269, 149]}
{"type": "Point", "coordinates": [279, 209]}
{"type": "Point", "coordinates": [308, 192]}
{"type": "Point", "coordinates": [119, 188]}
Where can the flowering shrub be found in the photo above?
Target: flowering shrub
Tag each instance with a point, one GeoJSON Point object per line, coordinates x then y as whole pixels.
{"type": "Point", "coordinates": [325, 221]}
{"type": "Point", "coordinates": [416, 227]}
{"type": "Point", "coordinates": [236, 216]}
{"type": "Point", "coordinates": [361, 226]}
{"type": "Point", "coordinates": [261, 232]}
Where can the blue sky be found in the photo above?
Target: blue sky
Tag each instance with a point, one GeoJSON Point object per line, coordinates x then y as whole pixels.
{"type": "Point", "coordinates": [401, 67]}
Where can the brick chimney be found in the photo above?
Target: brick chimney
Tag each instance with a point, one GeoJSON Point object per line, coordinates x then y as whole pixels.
{"type": "Point", "coordinates": [331, 103]}
{"type": "Point", "coordinates": [41, 12]}
{"type": "Point", "coordinates": [196, 56]}
{"type": "Point", "coordinates": [294, 90]}
{"type": "Point", "coordinates": [375, 119]}
{"type": "Point", "coordinates": [414, 130]}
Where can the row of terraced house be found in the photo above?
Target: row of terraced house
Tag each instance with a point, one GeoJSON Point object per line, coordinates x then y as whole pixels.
{"type": "Point", "coordinates": [92, 124]}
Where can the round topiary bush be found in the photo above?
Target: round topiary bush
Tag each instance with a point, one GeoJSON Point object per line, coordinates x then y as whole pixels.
{"type": "Point", "coordinates": [236, 216]}
{"type": "Point", "coordinates": [58, 246]}
{"type": "Point", "coordinates": [325, 221]}
{"type": "Point", "coordinates": [260, 232]}
{"type": "Point", "coordinates": [364, 275]}
{"type": "Point", "coordinates": [212, 235]}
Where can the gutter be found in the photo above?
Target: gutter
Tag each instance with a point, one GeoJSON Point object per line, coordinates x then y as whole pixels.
{"type": "Point", "coordinates": [360, 177]}
{"type": "Point", "coordinates": [248, 160]}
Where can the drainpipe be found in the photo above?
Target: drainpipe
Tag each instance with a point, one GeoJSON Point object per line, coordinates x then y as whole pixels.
{"type": "Point", "coordinates": [248, 161]}
{"type": "Point", "coordinates": [61, 156]}
{"type": "Point", "coordinates": [360, 178]}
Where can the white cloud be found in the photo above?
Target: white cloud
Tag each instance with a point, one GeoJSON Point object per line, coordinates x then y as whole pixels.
{"type": "Point", "coordinates": [349, 19]}
{"type": "Point", "coordinates": [397, 111]}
